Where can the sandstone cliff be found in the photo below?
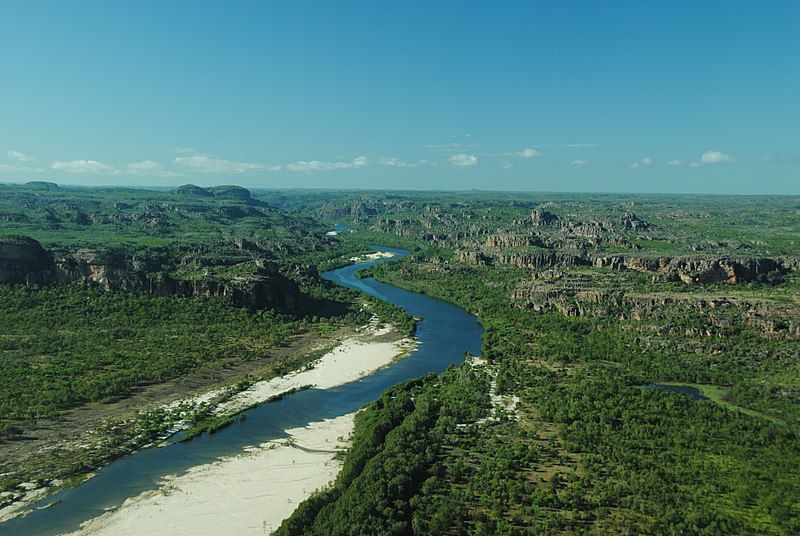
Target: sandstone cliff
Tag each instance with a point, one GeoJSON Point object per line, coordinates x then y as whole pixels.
{"type": "Point", "coordinates": [24, 261]}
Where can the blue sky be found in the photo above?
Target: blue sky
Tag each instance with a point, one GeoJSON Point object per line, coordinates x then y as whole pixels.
{"type": "Point", "coordinates": [548, 96]}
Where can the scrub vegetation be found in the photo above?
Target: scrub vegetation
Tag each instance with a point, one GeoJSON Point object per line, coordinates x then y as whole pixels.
{"type": "Point", "coordinates": [583, 299]}
{"type": "Point", "coordinates": [576, 320]}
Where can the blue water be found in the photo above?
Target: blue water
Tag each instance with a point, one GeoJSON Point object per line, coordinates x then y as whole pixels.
{"type": "Point", "coordinates": [445, 334]}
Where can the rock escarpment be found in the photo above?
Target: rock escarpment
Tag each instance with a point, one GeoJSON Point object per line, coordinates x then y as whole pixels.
{"type": "Point", "coordinates": [24, 261]}
{"type": "Point", "coordinates": [577, 295]}
{"type": "Point", "coordinates": [689, 270]}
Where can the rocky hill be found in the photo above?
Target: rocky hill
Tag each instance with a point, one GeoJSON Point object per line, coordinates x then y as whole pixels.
{"type": "Point", "coordinates": [24, 261]}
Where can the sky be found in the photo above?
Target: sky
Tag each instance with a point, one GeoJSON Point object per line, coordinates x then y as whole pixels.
{"type": "Point", "coordinates": [680, 97]}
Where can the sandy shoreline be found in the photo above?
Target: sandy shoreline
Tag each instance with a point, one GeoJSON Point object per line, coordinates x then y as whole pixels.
{"type": "Point", "coordinates": [373, 256]}
{"type": "Point", "coordinates": [247, 494]}
{"type": "Point", "coordinates": [351, 360]}
{"type": "Point", "coordinates": [252, 492]}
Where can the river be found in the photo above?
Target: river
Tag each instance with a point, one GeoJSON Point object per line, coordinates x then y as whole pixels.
{"type": "Point", "coordinates": [445, 333]}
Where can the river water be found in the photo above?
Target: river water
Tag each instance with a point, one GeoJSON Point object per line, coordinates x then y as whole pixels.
{"type": "Point", "coordinates": [445, 333]}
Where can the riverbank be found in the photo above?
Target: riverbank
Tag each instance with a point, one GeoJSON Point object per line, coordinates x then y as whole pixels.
{"type": "Point", "coordinates": [346, 358]}
{"type": "Point", "coordinates": [247, 494]}
{"type": "Point", "coordinates": [373, 256]}
{"type": "Point", "coordinates": [352, 359]}
{"type": "Point", "coordinates": [254, 491]}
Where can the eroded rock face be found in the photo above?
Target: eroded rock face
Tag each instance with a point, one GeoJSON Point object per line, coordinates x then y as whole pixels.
{"type": "Point", "coordinates": [629, 220]}
{"type": "Point", "coordinates": [474, 257]}
{"type": "Point", "coordinates": [542, 217]}
{"type": "Point", "coordinates": [545, 259]}
{"type": "Point", "coordinates": [24, 261]}
{"type": "Point", "coordinates": [690, 270]}
{"type": "Point", "coordinates": [572, 298]}
{"type": "Point", "coordinates": [513, 241]}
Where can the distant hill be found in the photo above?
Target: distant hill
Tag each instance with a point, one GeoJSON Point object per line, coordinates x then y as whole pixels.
{"type": "Point", "coordinates": [236, 193]}
{"type": "Point", "coordinates": [192, 190]}
{"type": "Point", "coordinates": [227, 191]}
{"type": "Point", "coordinates": [42, 185]}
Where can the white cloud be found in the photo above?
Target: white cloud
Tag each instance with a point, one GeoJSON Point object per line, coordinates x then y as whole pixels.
{"type": "Point", "coordinates": [150, 168]}
{"type": "Point", "coordinates": [580, 145]}
{"type": "Point", "coordinates": [19, 157]}
{"type": "Point", "coordinates": [395, 162]}
{"type": "Point", "coordinates": [317, 165]}
{"type": "Point", "coordinates": [578, 163]}
{"type": "Point", "coordinates": [528, 152]}
{"type": "Point", "coordinates": [713, 157]}
{"type": "Point", "coordinates": [463, 160]}
{"type": "Point", "coordinates": [716, 157]}
{"type": "Point", "coordinates": [92, 167]}
{"type": "Point", "coordinates": [506, 165]}
{"type": "Point", "coordinates": [200, 163]}
{"type": "Point", "coordinates": [643, 162]}
{"type": "Point", "coordinates": [673, 163]}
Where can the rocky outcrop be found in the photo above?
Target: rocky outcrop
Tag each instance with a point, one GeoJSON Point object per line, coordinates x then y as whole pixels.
{"type": "Point", "coordinates": [693, 271]}
{"type": "Point", "coordinates": [542, 217]}
{"type": "Point", "coordinates": [474, 257]}
{"type": "Point", "coordinates": [773, 320]}
{"type": "Point", "coordinates": [690, 270]}
{"type": "Point", "coordinates": [543, 259]}
{"type": "Point", "coordinates": [630, 221]}
{"type": "Point", "coordinates": [569, 302]}
{"type": "Point", "coordinates": [266, 287]}
{"type": "Point", "coordinates": [513, 241]}
{"type": "Point", "coordinates": [24, 261]}
{"type": "Point", "coordinates": [622, 262]}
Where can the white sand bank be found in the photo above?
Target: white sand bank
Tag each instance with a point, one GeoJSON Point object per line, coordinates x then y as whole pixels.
{"type": "Point", "coordinates": [349, 361]}
{"type": "Point", "coordinates": [373, 256]}
{"type": "Point", "coordinates": [247, 494]}
{"type": "Point", "coordinates": [251, 493]}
